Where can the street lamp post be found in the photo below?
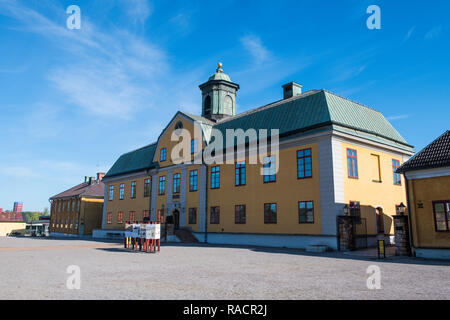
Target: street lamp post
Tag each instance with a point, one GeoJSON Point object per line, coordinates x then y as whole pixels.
{"type": "Point", "coordinates": [401, 209]}
{"type": "Point", "coordinates": [346, 210]}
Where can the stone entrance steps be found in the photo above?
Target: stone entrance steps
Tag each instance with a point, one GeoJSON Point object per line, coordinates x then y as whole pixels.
{"type": "Point", "coordinates": [185, 236]}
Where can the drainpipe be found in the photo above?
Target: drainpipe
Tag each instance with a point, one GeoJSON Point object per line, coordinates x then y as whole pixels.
{"type": "Point", "coordinates": [206, 206]}
{"type": "Point", "coordinates": [51, 218]}
{"type": "Point", "coordinates": [79, 210]}
{"type": "Point", "coordinates": [411, 239]}
{"type": "Point", "coordinates": [150, 196]}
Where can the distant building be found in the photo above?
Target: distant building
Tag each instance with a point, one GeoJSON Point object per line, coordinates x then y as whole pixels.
{"type": "Point", "coordinates": [10, 222]}
{"type": "Point", "coordinates": [18, 207]}
{"type": "Point", "coordinates": [40, 228]}
{"type": "Point", "coordinates": [428, 190]}
{"type": "Point", "coordinates": [78, 210]}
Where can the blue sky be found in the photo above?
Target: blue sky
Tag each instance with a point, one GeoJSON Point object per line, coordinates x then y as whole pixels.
{"type": "Point", "coordinates": [72, 101]}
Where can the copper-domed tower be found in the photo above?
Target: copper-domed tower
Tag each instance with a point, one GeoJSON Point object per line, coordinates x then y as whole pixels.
{"type": "Point", "coordinates": [219, 96]}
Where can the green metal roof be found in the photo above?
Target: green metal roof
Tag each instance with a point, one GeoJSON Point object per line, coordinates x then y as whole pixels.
{"type": "Point", "coordinates": [314, 109]}
{"type": "Point", "coordinates": [220, 76]}
{"type": "Point", "coordinates": [137, 160]}
{"type": "Point", "coordinates": [354, 115]}
{"type": "Point", "coordinates": [283, 115]}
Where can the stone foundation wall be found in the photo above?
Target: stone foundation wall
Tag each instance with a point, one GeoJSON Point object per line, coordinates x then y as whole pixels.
{"type": "Point", "coordinates": [401, 227]}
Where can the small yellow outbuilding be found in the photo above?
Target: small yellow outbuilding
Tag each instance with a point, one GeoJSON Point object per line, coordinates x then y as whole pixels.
{"type": "Point", "coordinates": [428, 191]}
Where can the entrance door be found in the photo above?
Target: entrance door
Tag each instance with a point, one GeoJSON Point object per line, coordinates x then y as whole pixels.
{"type": "Point", "coordinates": [380, 221]}
{"type": "Point", "coordinates": [176, 218]}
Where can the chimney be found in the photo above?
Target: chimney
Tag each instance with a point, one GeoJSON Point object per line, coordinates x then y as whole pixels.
{"type": "Point", "coordinates": [100, 176]}
{"type": "Point", "coordinates": [86, 178]}
{"type": "Point", "coordinates": [291, 89]}
{"type": "Point", "coordinates": [91, 180]}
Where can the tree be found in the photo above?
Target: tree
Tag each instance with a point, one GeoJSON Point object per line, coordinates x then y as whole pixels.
{"type": "Point", "coordinates": [45, 212]}
{"type": "Point", "coordinates": [31, 216]}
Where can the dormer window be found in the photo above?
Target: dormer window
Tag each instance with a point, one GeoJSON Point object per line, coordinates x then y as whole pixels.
{"type": "Point", "coordinates": [179, 125]}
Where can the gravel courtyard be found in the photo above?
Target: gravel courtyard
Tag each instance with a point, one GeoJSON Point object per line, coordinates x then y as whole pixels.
{"type": "Point", "coordinates": [36, 269]}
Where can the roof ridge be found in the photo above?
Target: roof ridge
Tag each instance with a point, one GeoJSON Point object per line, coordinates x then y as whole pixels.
{"type": "Point", "coordinates": [139, 148]}
{"type": "Point", "coordinates": [425, 148]}
{"type": "Point", "coordinates": [270, 105]}
{"type": "Point", "coordinates": [72, 188]}
{"type": "Point", "coordinates": [358, 103]}
{"type": "Point", "coordinates": [88, 187]}
{"type": "Point", "coordinates": [193, 116]}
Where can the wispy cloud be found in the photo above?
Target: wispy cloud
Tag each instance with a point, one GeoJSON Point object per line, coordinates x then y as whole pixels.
{"type": "Point", "coordinates": [137, 10]}
{"type": "Point", "coordinates": [50, 170]}
{"type": "Point", "coordinates": [43, 122]}
{"type": "Point", "coordinates": [398, 117]}
{"type": "Point", "coordinates": [349, 91]}
{"type": "Point", "coordinates": [349, 72]}
{"type": "Point", "coordinates": [115, 72]}
{"type": "Point", "coordinates": [408, 34]}
{"type": "Point", "coordinates": [182, 21]}
{"type": "Point", "coordinates": [258, 52]}
{"type": "Point", "coordinates": [351, 66]}
{"type": "Point", "coordinates": [34, 22]}
{"type": "Point", "coordinates": [434, 33]}
{"type": "Point", "coordinates": [117, 83]}
{"type": "Point", "coordinates": [19, 172]}
{"type": "Point", "coordinates": [99, 90]}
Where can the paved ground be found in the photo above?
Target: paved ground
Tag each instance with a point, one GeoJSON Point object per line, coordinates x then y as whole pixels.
{"type": "Point", "coordinates": [36, 269]}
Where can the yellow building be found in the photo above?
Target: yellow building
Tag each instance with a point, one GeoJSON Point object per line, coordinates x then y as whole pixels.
{"type": "Point", "coordinates": [8, 227]}
{"type": "Point", "coordinates": [78, 210]}
{"type": "Point", "coordinates": [428, 180]}
{"type": "Point", "coordinates": [11, 223]}
{"type": "Point", "coordinates": [333, 153]}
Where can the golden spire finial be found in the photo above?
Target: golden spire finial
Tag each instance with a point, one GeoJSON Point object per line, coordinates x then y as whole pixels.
{"type": "Point", "coordinates": [219, 67]}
